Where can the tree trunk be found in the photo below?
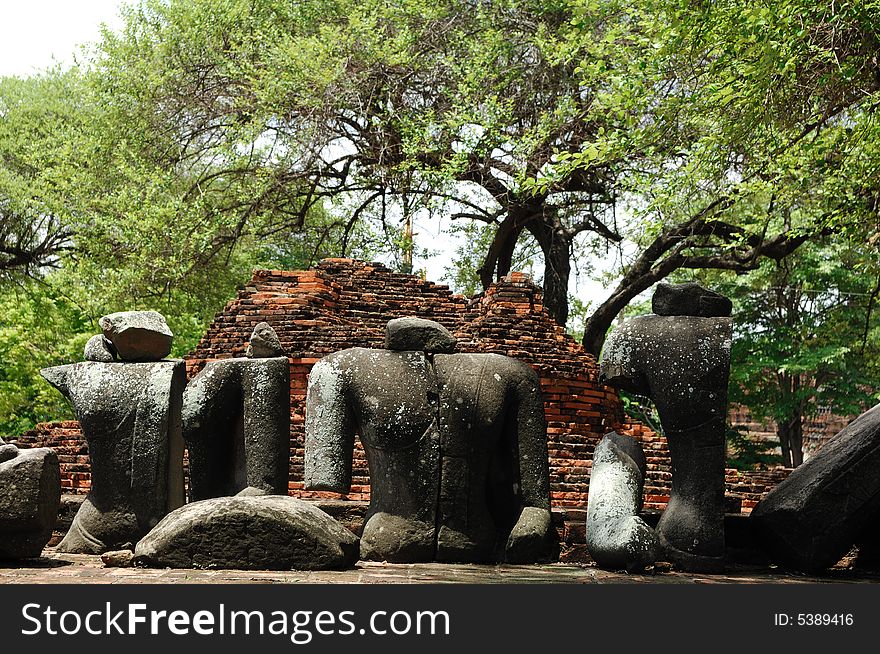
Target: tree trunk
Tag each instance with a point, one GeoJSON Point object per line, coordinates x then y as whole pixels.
{"type": "Point", "coordinates": [791, 439]}
{"type": "Point", "coordinates": [555, 245]}
{"type": "Point", "coordinates": [505, 253]}
{"type": "Point", "coordinates": [498, 259]}
{"type": "Point", "coordinates": [782, 431]}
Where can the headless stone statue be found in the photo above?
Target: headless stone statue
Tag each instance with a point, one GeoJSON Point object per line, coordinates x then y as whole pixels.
{"type": "Point", "coordinates": [681, 360]}
{"type": "Point", "coordinates": [30, 494]}
{"type": "Point", "coordinates": [129, 414]}
{"type": "Point", "coordinates": [236, 422]}
{"type": "Point", "coordinates": [455, 443]}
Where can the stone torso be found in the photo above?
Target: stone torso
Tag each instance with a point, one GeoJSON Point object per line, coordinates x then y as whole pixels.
{"type": "Point", "coordinates": [435, 431]}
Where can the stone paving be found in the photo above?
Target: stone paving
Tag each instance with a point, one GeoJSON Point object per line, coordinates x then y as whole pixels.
{"type": "Point", "coordinates": [56, 568]}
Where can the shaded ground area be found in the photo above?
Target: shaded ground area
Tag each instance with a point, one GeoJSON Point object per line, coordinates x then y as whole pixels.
{"type": "Point", "coordinates": [55, 568]}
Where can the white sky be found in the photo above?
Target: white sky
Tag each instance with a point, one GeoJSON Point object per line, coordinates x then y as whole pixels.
{"type": "Point", "coordinates": [37, 34]}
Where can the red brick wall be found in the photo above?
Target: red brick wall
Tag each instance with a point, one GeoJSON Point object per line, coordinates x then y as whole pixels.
{"type": "Point", "coordinates": [73, 452]}
{"type": "Point", "coordinates": [343, 303]}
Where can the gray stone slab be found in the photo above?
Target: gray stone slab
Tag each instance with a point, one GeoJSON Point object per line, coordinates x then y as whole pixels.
{"type": "Point", "coordinates": [418, 334]}
{"type": "Point", "coordinates": [100, 349]}
{"type": "Point", "coordinates": [689, 299]}
{"type": "Point", "coordinates": [249, 533]}
{"type": "Point", "coordinates": [264, 343]}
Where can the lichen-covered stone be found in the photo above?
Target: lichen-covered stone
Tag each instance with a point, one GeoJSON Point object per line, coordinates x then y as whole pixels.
{"type": "Point", "coordinates": [99, 349]}
{"type": "Point", "coordinates": [456, 447]}
{"type": "Point", "coordinates": [236, 423]}
{"type": "Point", "coordinates": [689, 299]}
{"type": "Point", "coordinates": [264, 343]}
{"type": "Point", "coordinates": [617, 537]}
{"type": "Point", "coordinates": [138, 335]}
{"type": "Point", "coordinates": [418, 334]}
{"type": "Point", "coordinates": [30, 494]}
{"type": "Point", "coordinates": [249, 533]}
{"type": "Point", "coordinates": [682, 363]}
{"type": "Point", "coordinates": [810, 520]}
{"type": "Point", "coordinates": [129, 414]}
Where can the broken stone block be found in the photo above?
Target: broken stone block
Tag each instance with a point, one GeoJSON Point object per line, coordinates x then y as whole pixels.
{"type": "Point", "coordinates": [236, 423]}
{"type": "Point", "coordinates": [100, 349]}
{"type": "Point", "coordinates": [30, 494]}
{"type": "Point", "coordinates": [138, 335]}
{"type": "Point", "coordinates": [129, 414]}
{"type": "Point", "coordinates": [418, 334]}
{"type": "Point", "coordinates": [810, 520]}
{"type": "Point", "coordinates": [456, 446]}
{"type": "Point", "coordinates": [689, 299]}
{"type": "Point", "coordinates": [249, 533]}
{"type": "Point", "coordinates": [118, 559]}
{"type": "Point", "coordinates": [617, 538]}
{"type": "Point", "coordinates": [682, 363]}
{"type": "Point", "coordinates": [264, 343]}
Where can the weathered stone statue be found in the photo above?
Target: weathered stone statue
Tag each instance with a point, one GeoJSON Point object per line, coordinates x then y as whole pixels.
{"type": "Point", "coordinates": [249, 533]}
{"type": "Point", "coordinates": [812, 518]}
{"type": "Point", "coordinates": [30, 494]}
{"type": "Point", "coordinates": [616, 536]}
{"type": "Point", "coordinates": [455, 443]}
{"type": "Point", "coordinates": [680, 358]}
{"type": "Point", "coordinates": [130, 416]}
{"type": "Point", "coordinates": [236, 422]}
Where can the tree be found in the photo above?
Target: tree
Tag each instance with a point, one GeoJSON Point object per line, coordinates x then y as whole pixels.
{"type": "Point", "coordinates": [91, 225]}
{"type": "Point", "coordinates": [414, 105]}
{"type": "Point", "coordinates": [756, 134]}
{"type": "Point", "coordinates": [701, 122]}
{"type": "Point", "coordinates": [698, 136]}
{"type": "Point", "coordinates": [39, 119]}
{"type": "Point", "coordinates": [806, 338]}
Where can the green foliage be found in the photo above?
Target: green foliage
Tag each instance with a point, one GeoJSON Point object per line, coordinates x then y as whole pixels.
{"type": "Point", "coordinates": [41, 124]}
{"type": "Point", "coordinates": [806, 336]}
{"type": "Point", "coordinates": [812, 318]}
{"type": "Point", "coordinates": [744, 453]}
{"type": "Point", "coordinates": [40, 327]}
{"type": "Point", "coordinates": [642, 410]}
{"type": "Point", "coordinates": [112, 227]}
{"type": "Point", "coordinates": [577, 316]}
